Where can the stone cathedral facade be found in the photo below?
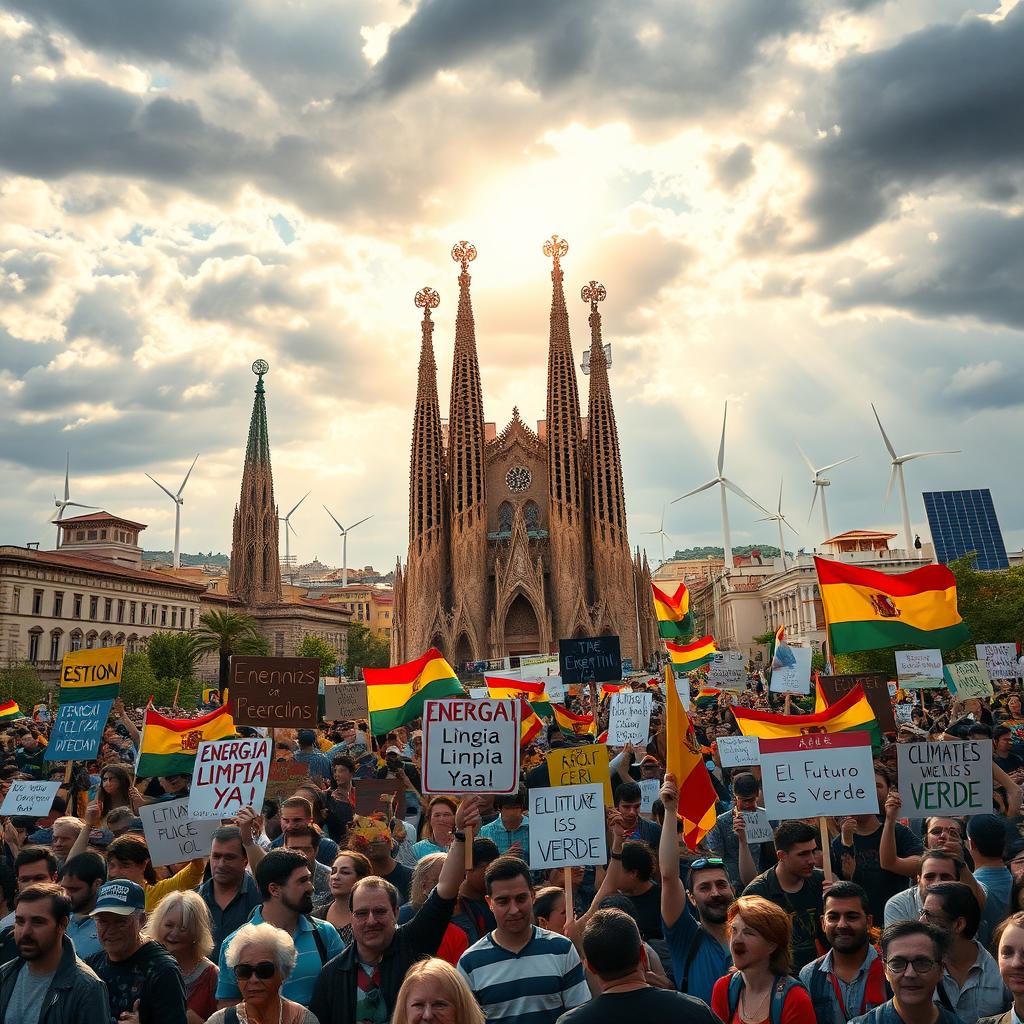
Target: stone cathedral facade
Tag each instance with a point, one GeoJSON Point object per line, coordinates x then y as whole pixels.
{"type": "Point", "coordinates": [517, 538]}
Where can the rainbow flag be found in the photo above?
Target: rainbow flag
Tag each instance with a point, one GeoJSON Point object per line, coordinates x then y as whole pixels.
{"type": "Point", "coordinates": [579, 725]}
{"type": "Point", "coordinates": [851, 714]}
{"type": "Point", "coordinates": [9, 710]}
{"type": "Point", "coordinates": [533, 692]}
{"type": "Point", "coordinates": [169, 745]}
{"type": "Point", "coordinates": [395, 695]}
{"type": "Point", "coordinates": [673, 611]}
{"type": "Point", "coordinates": [530, 725]}
{"type": "Point", "coordinates": [867, 610]}
{"type": "Point", "coordinates": [688, 657]}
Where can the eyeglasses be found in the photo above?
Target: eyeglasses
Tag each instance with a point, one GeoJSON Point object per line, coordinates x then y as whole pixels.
{"type": "Point", "coordinates": [928, 916]}
{"type": "Point", "coordinates": [921, 964]}
{"type": "Point", "coordinates": [264, 969]}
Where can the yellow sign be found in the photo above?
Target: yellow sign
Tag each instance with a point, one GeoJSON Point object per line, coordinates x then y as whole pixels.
{"type": "Point", "coordinates": [580, 766]}
{"type": "Point", "coordinates": [91, 674]}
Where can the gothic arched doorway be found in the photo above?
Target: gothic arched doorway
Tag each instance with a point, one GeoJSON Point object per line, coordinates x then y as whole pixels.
{"type": "Point", "coordinates": [522, 631]}
{"type": "Point", "coordinates": [463, 652]}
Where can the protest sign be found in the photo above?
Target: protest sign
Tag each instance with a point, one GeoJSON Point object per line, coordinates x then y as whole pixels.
{"type": "Point", "coordinates": [968, 679]}
{"type": "Point", "coordinates": [649, 789]}
{"type": "Point", "coordinates": [284, 778]}
{"type": "Point", "coordinates": [573, 766]}
{"type": "Point", "coordinates": [172, 836]}
{"type": "Point", "coordinates": [726, 671]}
{"type": "Point", "coordinates": [478, 692]}
{"type": "Point", "coordinates": [78, 730]}
{"type": "Point", "coordinates": [229, 775]}
{"type": "Point", "coordinates": [471, 746]}
{"type": "Point", "coordinates": [757, 827]}
{"type": "Point", "coordinates": [1000, 660]}
{"type": "Point", "coordinates": [374, 795]}
{"type": "Point", "coordinates": [818, 774]}
{"type": "Point", "coordinates": [275, 691]}
{"type": "Point", "coordinates": [876, 690]}
{"type": "Point", "coordinates": [555, 689]}
{"type": "Point", "coordinates": [537, 666]}
{"type": "Point", "coordinates": [92, 673]}
{"type": "Point", "coordinates": [594, 658]}
{"type": "Point", "coordinates": [567, 827]}
{"type": "Point", "coordinates": [945, 778]}
{"type": "Point", "coordinates": [29, 799]}
{"type": "Point", "coordinates": [344, 702]}
{"type": "Point", "coordinates": [629, 720]}
{"type": "Point", "coordinates": [683, 689]}
{"type": "Point", "coordinates": [919, 670]}
{"type": "Point", "coordinates": [904, 713]}
{"type": "Point", "coordinates": [793, 673]}
{"type": "Point", "coordinates": [738, 751]}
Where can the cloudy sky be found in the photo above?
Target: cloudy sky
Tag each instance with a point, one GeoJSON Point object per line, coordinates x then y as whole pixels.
{"type": "Point", "coordinates": [799, 206]}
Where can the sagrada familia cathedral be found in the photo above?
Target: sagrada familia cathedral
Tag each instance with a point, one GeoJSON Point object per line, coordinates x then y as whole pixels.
{"type": "Point", "coordinates": [517, 538]}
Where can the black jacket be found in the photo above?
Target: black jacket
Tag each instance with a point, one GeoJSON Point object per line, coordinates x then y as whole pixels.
{"type": "Point", "coordinates": [75, 996]}
{"type": "Point", "coordinates": [334, 998]}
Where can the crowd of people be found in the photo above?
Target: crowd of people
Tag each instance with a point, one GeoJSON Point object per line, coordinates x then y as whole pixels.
{"type": "Point", "coordinates": [304, 911]}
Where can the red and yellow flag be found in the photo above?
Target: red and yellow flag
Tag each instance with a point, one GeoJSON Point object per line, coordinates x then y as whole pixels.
{"type": "Point", "coordinates": [580, 725]}
{"type": "Point", "coordinates": [9, 710]}
{"type": "Point", "coordinates": [533, 692]}
{"type": "Point", "coordinates": [688, 657]}
{"type": "Point", "coordinates": [673, 611]}
{"type": "Point", "coordinates": [169, 745]}
{"type": "Point", "coordinates": [530, 726]}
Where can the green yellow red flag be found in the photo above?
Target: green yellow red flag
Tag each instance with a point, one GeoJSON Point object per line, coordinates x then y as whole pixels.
{"type": "Point", "coordinates": [169, 745]}
{"type": "Point", "coordinates": [673, 612]}
{"type": "Point", "coordinates": [395, 695]}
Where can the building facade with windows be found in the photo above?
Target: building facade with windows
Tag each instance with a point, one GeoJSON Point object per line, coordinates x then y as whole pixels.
{"type": "Point", "coordinates": [371, 606]}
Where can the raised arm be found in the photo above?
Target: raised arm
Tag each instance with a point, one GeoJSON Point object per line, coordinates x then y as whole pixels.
{"type": "Point", "coordinates": [454, 868]}
{"type": "Point", "coordinates": [250, 824]}
{"type": "Point", "coordinates": [673, 892]}
{"type": "Point", "coordinates": [748, 871]}
{"type": "Point", "coordinates": [888, 859]}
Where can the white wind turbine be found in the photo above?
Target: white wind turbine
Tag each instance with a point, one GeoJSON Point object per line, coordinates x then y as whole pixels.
{"type": "Point", "coordinates": [660, 532]}
{"type": "Point", "coordinates": [178, 502]}
{"type": "Point", "coordinates": [780, 519]}
{"type": "Point", "coordinates": [820, 483]}
{"type": "Point", "coordinates": [345, 531]}
{"type": "Point", "coordinates": [897, 474]}
{"type": "Point", "coordinates": [724, 484]}
{"type": "Point", "coordinates": [287, 520]}
{"type": "Point", "coordinates": [67, 502]}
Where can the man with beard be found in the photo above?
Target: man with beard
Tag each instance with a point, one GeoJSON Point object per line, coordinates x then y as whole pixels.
{"type": "Point", "coordinates": [230, 893]}
{"type": "Point", "coordinates": [849, 979]}
{"type": "Point", "coordinates": [700, 952]}
{"type": "Point", "coordinates": [286, 885]}
{"type": "Point", "coordinates": [48, 983]}
{"type": "Point", "coordinates": [83, 875]}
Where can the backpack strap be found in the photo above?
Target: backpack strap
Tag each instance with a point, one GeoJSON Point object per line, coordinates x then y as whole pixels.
{"type": "Point", "coordinates": [735, 989]}
{"type": "Point", "coordinates": [780, 990]}
{"type": "Point", "coordinates": [321, 947]}
{"type": "Point", "coordinates": [691, 955]}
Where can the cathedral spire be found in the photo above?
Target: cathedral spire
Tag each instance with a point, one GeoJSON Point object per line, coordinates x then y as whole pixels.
{"type": "Point", "coordinates": [255, 568]}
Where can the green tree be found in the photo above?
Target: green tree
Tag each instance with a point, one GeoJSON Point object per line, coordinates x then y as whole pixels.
{"type": "Point", "coordinates": [173, 655]}
{"type": "Point", "coordinates": [227, 633]}
{"type": "Point", "coordinates": [21, 683]}
{"type": "Point", "coordinates": [366, 650]}
{"type": "Point", "coordinates": [139, 682]}
{"type": "Point", "coordinates": [318, 647]}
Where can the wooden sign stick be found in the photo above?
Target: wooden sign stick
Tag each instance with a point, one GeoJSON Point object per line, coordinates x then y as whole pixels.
{"type": "Point", "coordinates": [469, 848]}
{"type": "Point", "coordinates": [826, 849]}
{"type": "Point", "coordinates": [570, 913]}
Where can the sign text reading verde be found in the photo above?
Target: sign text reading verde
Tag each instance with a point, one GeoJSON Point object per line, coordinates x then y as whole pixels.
{"type": "Point", "coordinates": [946, 777]}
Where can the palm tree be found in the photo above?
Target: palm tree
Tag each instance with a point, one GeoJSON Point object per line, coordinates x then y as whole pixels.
{"type": "Point", "coordinates": [227, 633]}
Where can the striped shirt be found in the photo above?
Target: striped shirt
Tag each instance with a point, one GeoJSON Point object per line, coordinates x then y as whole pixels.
{"type": "Point", "coordinates": [534, 986]}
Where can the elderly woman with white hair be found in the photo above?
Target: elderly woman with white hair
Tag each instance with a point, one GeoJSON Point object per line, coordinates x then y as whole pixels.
{"type": "Point", "coordinates": [262, 957]}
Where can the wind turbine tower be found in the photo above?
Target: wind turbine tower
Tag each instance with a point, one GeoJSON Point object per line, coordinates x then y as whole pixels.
{"type": "Point", "coordinates": [178, 502]}
{"type": "Point", "coordinates": [287, 520]}
{"type": "Point", "coordinates": [67, 502]}
{"type": "Point", "coordinates": [779, 518]}
{"type": "Point", "coordinates": [345, 531]}
{"type": "Point", "coordinates": [820, 483]}
{"type": "Point", "coordinates": [660, 532]}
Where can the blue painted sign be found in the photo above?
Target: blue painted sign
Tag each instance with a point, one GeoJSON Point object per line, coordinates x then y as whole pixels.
{"type": "Point", "coordinates": [78, 731]}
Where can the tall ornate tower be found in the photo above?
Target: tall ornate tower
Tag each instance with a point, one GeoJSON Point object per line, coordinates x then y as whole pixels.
{"type": "Point", "coordinates": [255, 571]}
{"type": "Point", "coordinates": [565, 475]}
{"type": "Point", "coordinates": [466, 480]}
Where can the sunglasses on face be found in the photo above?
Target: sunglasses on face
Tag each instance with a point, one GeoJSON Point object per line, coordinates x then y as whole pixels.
{"type": "Point", "coordinates": [264, 969]}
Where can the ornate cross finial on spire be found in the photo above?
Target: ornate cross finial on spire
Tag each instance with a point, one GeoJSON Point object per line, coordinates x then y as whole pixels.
{"type": "Point", "coordinates": [427, 299]}
{"type": "Point", "coordinates": [594, 292]}
{"type": "Point", "coordinates": [261, 368]}
{"type": "Point", "coordinates": [464, 253]}
{"type": "Point", "coordinates": [556, 248]}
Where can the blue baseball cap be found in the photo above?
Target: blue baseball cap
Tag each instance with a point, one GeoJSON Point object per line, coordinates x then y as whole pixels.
{"type": "Point", "coordinates": [120, 897]}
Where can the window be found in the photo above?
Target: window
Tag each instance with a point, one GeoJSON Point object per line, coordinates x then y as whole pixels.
{"type": "Point", "coordinates": [76, 640]}
{"type": "Point", "coordinates": [174, 618]}
{"type": "Point", "coordinates": [33, 644]}
{"type": "Point", "coordinates": [94, 607]}
{"type": "Point", "coordinates": [37, 603]}
{"type": "Point", "coordinates": [131, 611]}
{"type": "Point", "coordinates": [77, 610]}
{"type": "Point", "coordinates": [79, 534]}
{"type": "Point", "coordinates": [108, 608]}
{"type": "Point", "coordinates": [91, 535]}
{"type": "Point", "coordinates": [120, 611]}
{"type": "Point", "coordinates": [55, 646]}
{"type": "Point", "coordinates": [163, 615]}
{"type": "Point", "coordinates": [505, 517]}
{"type": "Point", "coordinates": [16, 600]}
{"type": "Point", "coordinates": [103, 534]}
{"type": "Point", "coordinates": [145, 607]}
{"type": "Point", "coordinates": [531, 512]}
{"type": "Point", "coordinates": [58, 606]}
{"type": "Point", "coordinates": [279, 645]}
{"type": "Point", "coordinates": [191, 618]}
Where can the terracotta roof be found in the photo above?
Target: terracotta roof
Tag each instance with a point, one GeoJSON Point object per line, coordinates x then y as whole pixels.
{"type": "Point", "coordinates": [98, 517]}
{"type": "Point", "coordinates": [860, 535]}
{"type": "Point", "coordinates": [100, 566]}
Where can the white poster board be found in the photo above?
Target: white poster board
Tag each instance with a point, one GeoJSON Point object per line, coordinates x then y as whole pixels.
{"type": "Point", "coordinates": [567, 827]}
{"type": "Point", "coordinates": [824, 774]}
{"type": "Point", "coordinates": [478, 692]}
{"type": "Point", "coordinates": [738, 751]}
{"type": "Point", "coordinates": [345, 702]}
{"type": "Point", "coordinates": [649, 790]}
{"type": "Point", "coordinates": [757, 827]}
{"type": "Point", "coordinates": [969, 679]}
{"type": "Point", "coordinates": [919, 670]}
{"type": "Point", "coordinates": [629, 720]}
{"type": "Point", "coordinates": [229, 775]}
{"type": "Point", "coordinates": [683, 689]}
{"type": "Point", "coordinates": [945, 778]}
{"type": "Point", "coordinates": [1000, 660]}
{"type": "Point", "coordinates": [727, 672]}
{"type": "Point", "coordinates": [904, 713]}
{"type": "Point", "coordinates": [29, 799]}
{"type": "Point", "coordinates": [172, 836]}
{"type": "Point", "coordinates": [794, 674]}
{"type": "Point", "coordinates": [555, 689]}
{"type": "Point", "coordinates": [471, 746]}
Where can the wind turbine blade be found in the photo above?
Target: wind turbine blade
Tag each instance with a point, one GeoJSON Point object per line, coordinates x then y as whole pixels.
{"type": "Point", "coordinates": [336, 523]}
{"type": "Point", "coordinates": [76, 504]}
{"type": "Point", "coordinates": [813, 500]}
{"type": "Point", "coordinates": [766, 519]}
{"type": "Point", "coordinates": [924, 455]}
{"type": "Point", "coordinates": [780, 495]}
{"type": "Point", "coordinates": [162, 488]}
{"type": "Point", "coordinates": [832, 465]}
{"type": "Point", "coordinates": [743, 494]}
{"type": "Point", "coordinates": [298, 503]}
{"type": "Point", "coordinates": [885, 436]}
{"type": "Point", "coordinates": [793, 528]}
{"type": "Point", "coordinates": [696, 490]}
{"type": "Point", "coordinates": [888, 490]}
{"type": "Point", "coordinates": [289, 526]}
{"type": "Point", "coordinates": [360, 523]}
{"type": "Point", "coordinates": [188, 474]}
{"type": "Point", "coordinates": [721, 447]}
{"type": "Point", "coordinates": [67, 477]}
{"type": "Point", "coordinates": [810, 465]}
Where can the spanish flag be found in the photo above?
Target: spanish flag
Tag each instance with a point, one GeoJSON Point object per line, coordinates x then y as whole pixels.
{"type": "Point", "coordinates": [688, 657]}
{"type": "Point", "coordinates": [607, 689]}
{"type": "Point", "coordinates": [169, 745]}
{"type": "Point", "coordinates": [9, 710]}
{"type": "Point", "coordinates": [684, 760]}
{"type": "Point", "coordinates": [673, 611]}
{"type": "Point", "coordinates": [533, 692]}
{"type": "Point", "coordinates": [530, 725]}
{"type": "Point", "coordinates": [867, 610]}
{"type": "Point", "coordinates": [851, 714]}
{"type": "Point", "coordinates": [395, 695]}
{"type": "Point", "coordinates": [820, 700]}
{"type": "Point", "coordinates": [579, 725]}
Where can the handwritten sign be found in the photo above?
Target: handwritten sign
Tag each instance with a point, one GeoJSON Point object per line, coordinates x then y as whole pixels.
{"type": "Point", "coordinates": [91, 673]}
{"type": "Point", "coordinates": [629, 720]}
{"type": "Point", "coordinates": [738, 751]}
{"type": "Point", "coordinates": [757, 827]}
{"type": "Point", "coordinates": [478, 692]}
{"type": "Point", "coordinates": [876, 690]}
{"type": "Point", "coordinates": [172, 836]}
{"type": "Point", "coordinates": [575, 766]}
{"type": "Point", "coordinates": [567, 827]}
{"type": "Point", "coordinates": [1000, 660]}
{"type": "Point", "coordinates": [471, 746]}
{"type": "Point", "coordinates": [229, 775]}
{"type": "Point", "coordinates": [284, 778]}
{"type": "Point", "coordinates": [818, 775]}
{"type": "Point", "coordinates": [792, 673]}
{"type": "Point", "coordinates": [345, 702]}
{"type": "Point", "coordinates": [919, 670]}
{"type": "Point", "coordinates": [968, 679]}
{"type": "Point", "coordinates": [649, 789]}
{"type": "Point", "coordinates": [945, 778]}
{"type": "Point", "coordinates": [275, 691]}
{"type": "Point", "coordinates": [555, 689]}
{"type": "Point", "coordinates": [595, 658]}
{"type": "Point", "coordinates": [904, 713]}
{"type": "Point", "coordinates": [373, 795]}
{"type": "Point", "coordinates": [726, 671]}
{"type": "Point", "coordinates": [29, 799]}
{"type": "Point", "coordinates": [78, 730]}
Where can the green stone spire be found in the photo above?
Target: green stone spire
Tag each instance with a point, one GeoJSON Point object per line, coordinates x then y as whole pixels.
{"type": "Point", "coordinates": [258, 448]}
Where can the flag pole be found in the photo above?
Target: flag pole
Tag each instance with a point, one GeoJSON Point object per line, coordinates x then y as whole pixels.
{"type": "Point", "coordinates": [826, 849]}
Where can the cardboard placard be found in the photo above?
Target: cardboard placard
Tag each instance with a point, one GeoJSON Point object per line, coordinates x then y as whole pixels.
{"type": "Point", "coordinates": [471, 746]}
{"type": "Point", "coordinates": [738, 751]}
{"type": "Point", "coordinates": [576, 766]}
{"type": "Point", "coordinates": [374, 795]}
{"type": "Point", "coordinates": [876, 690]}
{"type": "Point", "coordinates": [275, 692]}
{"type": "Point", "coordinates": [596, 658]}
{"type": "Point", "coordinates": [1000, 660]}
{"type": "Point", "coordinates": [229, 775]}
{"type": "Point", "coordinates": [945, 778]}
{"type": "Point", "coordinates": [792, 674]}
{"type": "Point", "coordinates": [172, 836]}
{"type": "Point", "coordinates": [567, 827]}
{"type": "Point", "coordinates": [29, 799]}
{"type": "Point", "coordinates": [629, 720]}
{"type": "Point", "coordinates": [345, 702]}
{"type": "Point", "coordinates": [284, 778]}
{"type": "Point", "coordinates": [78, 730]}
{"type": "Point", "coordinates": [727, 671]}
{"type": "Point", "coordinates": [919, 670]}
{"type": "Point", "coordinates": [810, 776]}
{"type": "Point", "coordinates": [968, 679]}
{"type": "Point", "coordinates": [90, 669]}
{"type": "Point", "coordinates": [649, 790]}
{"type": "Point", "coordinates": [757, 826]}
